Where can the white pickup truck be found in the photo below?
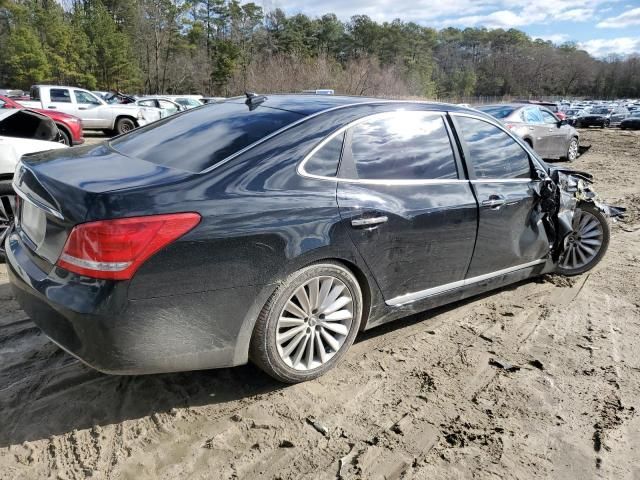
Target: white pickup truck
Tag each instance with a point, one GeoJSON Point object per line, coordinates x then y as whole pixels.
{"type": "Point", "coordinates": [96, 114]}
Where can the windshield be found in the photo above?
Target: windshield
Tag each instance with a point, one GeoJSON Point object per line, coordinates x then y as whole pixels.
{"type": "Point", "coordinates": [600, 110]}
{"type": "Point", "coordinates": [498, 111]}
{"type": "Point", "coordinates": [200, 138]}
{"type": "Point", "coordinates": [573, 112]}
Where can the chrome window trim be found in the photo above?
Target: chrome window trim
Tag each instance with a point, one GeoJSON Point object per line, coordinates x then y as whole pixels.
{"type": "Point", "coordinates": [36, 203]}
{"type": "Point", "coordinates": [303, 173]}
{"type": "Point", "coordinates": [429, 292]}
{"type": "Point", "coordinates": [492, 121]}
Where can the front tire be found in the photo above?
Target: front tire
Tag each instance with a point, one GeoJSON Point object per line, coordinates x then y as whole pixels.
{"type": "Point", "coordinates": [308, 324]}
{"type": "Point", "coordinates": [65, 137]}
{"type": "Point", "coordinates": [572, 150]}
{"type": "Point", "coordinates": [587, 243]}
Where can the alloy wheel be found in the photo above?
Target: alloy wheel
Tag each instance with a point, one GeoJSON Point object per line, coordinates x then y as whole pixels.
{"type": "Point", "coordinates": [7, 209]}
{"type": "Point", "coordinates": [314, 323]}
{"type": "Point", "coordinates": [573, 150]}
{"type": "Point", "coordinates": [584, 243]}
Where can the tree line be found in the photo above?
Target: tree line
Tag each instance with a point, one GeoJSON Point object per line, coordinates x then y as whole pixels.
{"type": "Point", "coordinates": [224, 47]}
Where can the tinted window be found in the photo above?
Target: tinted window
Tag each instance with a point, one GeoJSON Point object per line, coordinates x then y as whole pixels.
{"type": "Point", "coordinates": [494, 154]}
{"type": "Point", "coordinates": [324, 162]}
{"type": "Point", "coordinates": [60, 95]}
{"type": "Point", "coordinates": [202, 137]}
{"type": "Point", "coordinates": [403, 146]}
{"type": "Point", "coordinates": [498, 111]}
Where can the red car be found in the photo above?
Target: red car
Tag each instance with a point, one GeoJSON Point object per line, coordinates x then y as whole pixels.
{"type": "Point", "coordinates": [70, 126]}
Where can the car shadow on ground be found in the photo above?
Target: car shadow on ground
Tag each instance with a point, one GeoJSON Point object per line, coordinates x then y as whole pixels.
{"type": "Point", "coordinates": [44, 391]}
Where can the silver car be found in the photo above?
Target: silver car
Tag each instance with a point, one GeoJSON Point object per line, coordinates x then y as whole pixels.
{"type": "Point", "coordinates": [549, 136]}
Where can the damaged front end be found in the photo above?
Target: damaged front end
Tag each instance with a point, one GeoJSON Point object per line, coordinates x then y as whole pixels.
{"type": "Point", "coordinates": [561, 198]}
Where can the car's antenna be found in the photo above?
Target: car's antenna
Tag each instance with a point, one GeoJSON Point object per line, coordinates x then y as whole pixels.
{"type": "Point", "coordinates": [254, 100]}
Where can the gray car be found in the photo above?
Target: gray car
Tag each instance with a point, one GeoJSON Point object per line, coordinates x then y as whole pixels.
{"type": "Point", "coordinates": [549, 136]}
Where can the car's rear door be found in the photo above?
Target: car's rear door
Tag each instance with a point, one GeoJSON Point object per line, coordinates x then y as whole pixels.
{"type": "Point", "coordinates": [409, 209]}
{"type": "Point", "coordinates": [510, 229]}
{"type": "Point", "coordinates": [557, 141]}
{"type": "Point", "coordinates": [537, 130]}
{"type": "Point", "coordinates": [60, 99]}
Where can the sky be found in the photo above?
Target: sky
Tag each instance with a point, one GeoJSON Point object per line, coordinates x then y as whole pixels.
{"type": "Point", "coordinates": [602, 27]}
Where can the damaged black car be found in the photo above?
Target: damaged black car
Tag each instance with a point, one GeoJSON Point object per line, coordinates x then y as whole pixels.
{"type": "Point", "coordinates": [276, 228]}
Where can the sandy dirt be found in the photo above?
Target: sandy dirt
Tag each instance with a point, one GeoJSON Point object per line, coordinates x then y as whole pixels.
{"type": "Point", "coordinates": [540, 380]}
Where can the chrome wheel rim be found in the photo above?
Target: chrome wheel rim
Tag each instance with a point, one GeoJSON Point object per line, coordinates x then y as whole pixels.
{"type": "Point", "coordinates": [126, 127]}
{"type": "Point", "coordinates": [573, 150]}
{"type": "Point", "coordinates": [7, 209]}
{"type": "Point", "coordinates": [584, 243]}
{"type": "Point", "coordinates": [314, 323]}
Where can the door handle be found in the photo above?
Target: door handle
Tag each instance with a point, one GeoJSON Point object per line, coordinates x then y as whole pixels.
{"type": "Point", "coordinates": [82, 108]}
{"type": "Point", "coordinates": [531, 128]}
{"type": "Point", "coordinates": [52, 107]}
{"type": "Point", "coordinates": [369, 222]}
{"type": "Point", "coordinates": [494, 202]}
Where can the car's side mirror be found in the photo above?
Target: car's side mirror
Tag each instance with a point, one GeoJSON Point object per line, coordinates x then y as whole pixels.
{"type": "Point", "coordinates": [562, 122]}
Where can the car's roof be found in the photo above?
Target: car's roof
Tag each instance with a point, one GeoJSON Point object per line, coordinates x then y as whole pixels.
{"type": "Point", "coordinates": [308, 104]}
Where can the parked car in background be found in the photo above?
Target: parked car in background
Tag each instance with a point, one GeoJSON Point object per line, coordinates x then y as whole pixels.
{"type": "Point", "coordinates": [602, 117]}
{"type": "Point", "coordinates": [188, 101]}
{"type": "Point", "coordinates": [573, 114]}
{"type": "Point", "coordinates": [212, 99]}
{"type": "Point", "coordinates": [22, 131]}
{"type": "Point", "coordinates": [166, 106]}
{"type": "Point", "coordinates": [549, 136]}
{"type": "Point", "coordinates": [69, 126]}
{"type": "Point", "coordinates": [96, 114]}
{"type": "Point", "coordinates": [631, 123]}
{"type": "Point", "coordinates": [321, 216]}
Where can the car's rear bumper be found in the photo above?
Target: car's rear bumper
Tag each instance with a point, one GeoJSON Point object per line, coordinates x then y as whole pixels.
{"type": "Point", "coordinates": [96, 322]}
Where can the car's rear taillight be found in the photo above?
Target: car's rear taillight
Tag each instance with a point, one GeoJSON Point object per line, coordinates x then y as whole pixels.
{"type": "Point", "coordinates": [115, 249]}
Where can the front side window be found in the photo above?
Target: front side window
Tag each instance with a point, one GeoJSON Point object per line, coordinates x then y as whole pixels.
{"type": "Point", "coordinates": [548, 116]}
{"type": "Point", "coordinates": [409, 145]}
{"type": "Point", "coordinates": [325, 160]}
{"type": "Point", "coordinates": [60, 95]}
{"type": "Point", "coordinates": [532, 115]}
{"type": "Point", "coordinates": [85, 98]}
{"type": "Point", "coordinates": [494, 154]}
{"type": "Point", "coordinates": [147, 103]}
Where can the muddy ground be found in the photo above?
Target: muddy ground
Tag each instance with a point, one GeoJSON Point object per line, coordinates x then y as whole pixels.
{"type": "Point", "coordinates": [421, 398]}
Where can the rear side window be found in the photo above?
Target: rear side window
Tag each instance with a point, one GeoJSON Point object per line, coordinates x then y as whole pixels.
{"type": "Point", "coordinates": [200, 138]}
{"type": "Point", "coordinates": [548, 116]}
{"type": "Point", "coordinates": [494, 154]}
{"type": "Point", "coordinates": [60, 95]}
{"type": "Point", "coordinates": [325, 160]}
{"type": "Point", "coordinates": [403, 146]}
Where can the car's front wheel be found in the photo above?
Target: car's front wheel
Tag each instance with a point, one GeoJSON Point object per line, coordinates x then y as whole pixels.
{"type": "Point", "coordinates": [587, 243]}
{"type": "Point", "coordinates": [572, 150]}
{"type": "Point", "coordinates": [308, 324]}
{"type": "Point", "coordinates": [125, 125]}
{"type": "Point", "coordinates": [7, 211]}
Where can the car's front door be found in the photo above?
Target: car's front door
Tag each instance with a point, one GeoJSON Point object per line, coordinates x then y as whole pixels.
{"type": "Point", "coordinates": [510, 230]}
{"type": "Point", "coordinates": [408, 209]}
{"type": "Point", "coordinates": [89, 109]}
{"type": "Point", "coordinates": [537, 130]}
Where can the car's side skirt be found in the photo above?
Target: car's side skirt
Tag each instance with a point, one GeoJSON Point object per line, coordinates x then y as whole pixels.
{"type": "Point", "coordinates": [415, 296]}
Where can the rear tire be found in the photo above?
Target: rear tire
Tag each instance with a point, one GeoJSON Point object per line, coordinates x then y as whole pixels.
{"type": "Point", "coordinates": [7, 212]}
{"type": "Point", "coordinates": [587, 244]}
{"type": "Point", "coordinates": [125, 125]}
{"type": "Point", "coordinates": [308, 324]}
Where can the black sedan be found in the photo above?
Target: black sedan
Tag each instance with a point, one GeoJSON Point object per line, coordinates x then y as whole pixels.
{"type": "Point", "coordinates": [277, 228]}
{"type": "Point", "coordinates": [631, 123]}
